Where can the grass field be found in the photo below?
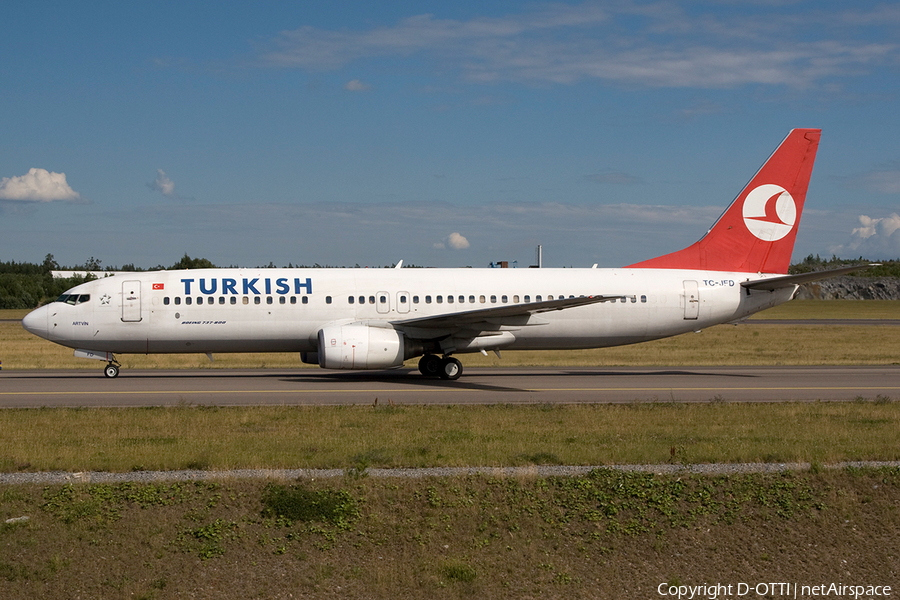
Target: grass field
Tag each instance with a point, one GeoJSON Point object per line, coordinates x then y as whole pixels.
{"type": "Point", "coordinates": [357, 437]}
{"type": "Point", "coordinates": [603, 535]}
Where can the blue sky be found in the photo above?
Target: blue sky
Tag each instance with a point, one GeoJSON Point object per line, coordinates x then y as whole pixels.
{"type": "Point", "coordinates": [443, 134]}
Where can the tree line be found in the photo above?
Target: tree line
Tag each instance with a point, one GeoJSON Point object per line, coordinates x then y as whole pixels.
{"type": "Point", "coordinates": [28, 285]}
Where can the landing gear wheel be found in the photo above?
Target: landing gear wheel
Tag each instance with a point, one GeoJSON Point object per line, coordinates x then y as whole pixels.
{"type": "Point", "coordinates": [451, 368]}
{"type": "Point", "coordinates": [111, 371]}
{"type": "Point", "coordinates": [430, 365]}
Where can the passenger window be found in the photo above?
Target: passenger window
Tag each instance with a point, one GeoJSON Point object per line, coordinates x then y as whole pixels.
{"type": "Point", "coordinates": [327, 299]}
{"type": "Point", "coordinates": [382, 299]}
{"type": "Point", "coordinates": [538, 299]}
{"type": "Point", "coordinates": [282, 300]}
{"type": "Point", "coordinates": [200, 300]}
{"type": "Point", "coordinates": [481, 299]}
{"type": "Point", "coordinates": [234, 299]}
{"type": "Point", "coordinates": [402, 299]}
{"type": "Point", "coordinates": [427, 299]}
{"type": "Point", "coordinates": [550, 297]}
{"type": "Point", "coordinates": [644, 299]}
{"type": "Point", "coordinates": [177, 300]}
{"type": "Point", "coordinates": [493, 299]}
{"type": "Point", "coordinates": [449, 299]}
{"type": "Point", "coordinates": [440, 299]}
{"type": "Point", "coordinates": [257, 300]}
{"type": "Point", "coordinates": [166, 301]}
{"type": "Point", "coordinates": [268, 299]}
{"type": "Point", "coordinates": [245, 300]}
{"type": "Point", "coordinates": [305, 300]}
{"type": "Point", "coordinates": [527, 298]}
{"type": "Point", "coordinates": [351, 300]}
{"type": "Point", "coordinates": [415, 299]}
{"type": "Point", "coordinates": [371, 299]}
{"type": "Point", "coordinates": [471, 299]}
{"type": "Point", "coordinates": [504, 299]}
{"type": "Point", "coordinates": [188, 300]}
{"type": "Point", "coordinates": [221, 299]}
{"type": "Point", "coordinates": [516, 299]}
{"type": "Point", "coordinates": [362, 300]}
{"type": "Point", "coordinates": [633, 299]}
{"type": "Point", "coordinates": [462, 299]}
{"type": "Point", "coordinates": [293, 299]}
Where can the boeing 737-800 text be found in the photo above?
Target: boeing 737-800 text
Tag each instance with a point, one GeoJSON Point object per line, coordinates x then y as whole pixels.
{"type": "Point", "coordinates": [378, 318]}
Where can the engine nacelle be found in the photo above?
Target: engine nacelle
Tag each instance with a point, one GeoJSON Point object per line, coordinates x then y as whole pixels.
{"type": "Point", "coordinates": [361, 347]}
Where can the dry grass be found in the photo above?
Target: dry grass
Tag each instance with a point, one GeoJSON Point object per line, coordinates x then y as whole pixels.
{"type": "Point", "coordinates": [417, 436]}
{"type": "Point", "coordinates": [605, 535]}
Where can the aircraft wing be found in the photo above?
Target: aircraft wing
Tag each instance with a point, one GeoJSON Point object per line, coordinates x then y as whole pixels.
{"type": "Point", "coordinates": [497, 316]}
{"type": "Point", "coordinates": [775, 283]}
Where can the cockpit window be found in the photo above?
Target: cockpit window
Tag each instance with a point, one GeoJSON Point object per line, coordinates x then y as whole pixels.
{"type": "Point", "coordinates": [74, 299]}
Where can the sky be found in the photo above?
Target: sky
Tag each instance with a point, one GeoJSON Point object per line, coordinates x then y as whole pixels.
{"type": "Point", "coordinates": [443, 134]}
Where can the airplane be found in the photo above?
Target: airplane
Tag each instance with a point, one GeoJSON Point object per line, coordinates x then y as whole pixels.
{"type": "Point", "coordinates": [379, 318]}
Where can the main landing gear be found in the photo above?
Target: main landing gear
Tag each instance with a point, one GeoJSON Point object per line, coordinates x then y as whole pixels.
{"type": "Point", "coordinates": [447, 367]}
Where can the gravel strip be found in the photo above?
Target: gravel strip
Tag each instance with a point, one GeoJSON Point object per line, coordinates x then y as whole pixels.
{"type": "Point", "coordinates": [48, 477]}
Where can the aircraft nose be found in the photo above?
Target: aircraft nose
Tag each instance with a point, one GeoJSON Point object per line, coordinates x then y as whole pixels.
{"type": "Point", "coordinates": [36, 322]}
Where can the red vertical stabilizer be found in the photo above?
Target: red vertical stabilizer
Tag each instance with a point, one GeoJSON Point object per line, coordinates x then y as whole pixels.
{"type": "Point", "coordinates": [756, 234]}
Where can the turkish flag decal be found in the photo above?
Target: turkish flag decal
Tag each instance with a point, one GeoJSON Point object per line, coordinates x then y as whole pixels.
{"type": "Point", "coordinates": [159, 286]}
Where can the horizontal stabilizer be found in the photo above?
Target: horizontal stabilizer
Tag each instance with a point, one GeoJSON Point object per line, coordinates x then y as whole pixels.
{"type": "Point", "coordinates": [785, 281]}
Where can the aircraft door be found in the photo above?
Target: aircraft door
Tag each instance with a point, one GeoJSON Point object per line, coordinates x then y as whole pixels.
{"type": "Point", "coordinates": [131, 301]}
{"type": "Point", "coordinates": [383, 302]}
{"type": "Point", "coordinates": [402, 302]}
{"type": "Point", "coordinates": [691, 300]}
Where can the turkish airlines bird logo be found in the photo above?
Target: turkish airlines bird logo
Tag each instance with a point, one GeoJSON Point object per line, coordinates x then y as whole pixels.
{"type": "Point", "coordinates": [769, 212]}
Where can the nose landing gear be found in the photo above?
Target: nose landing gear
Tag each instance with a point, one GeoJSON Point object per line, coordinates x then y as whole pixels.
{"type": "Point", "coordinates": [111, 370]}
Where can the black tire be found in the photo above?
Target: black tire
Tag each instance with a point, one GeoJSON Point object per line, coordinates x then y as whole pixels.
{"type": "Point", "coordinates": [111, 371]}
{"type": "Point", "coordinates": [430, 365]}
{"type": "Point", "coordinates": [451, 369]}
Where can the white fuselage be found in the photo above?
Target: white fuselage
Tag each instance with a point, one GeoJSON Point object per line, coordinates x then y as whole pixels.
{"type": "Point", "coordinates": [282, 310]}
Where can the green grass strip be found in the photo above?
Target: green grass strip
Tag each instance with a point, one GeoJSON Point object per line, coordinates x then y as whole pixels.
{"type": "Point", "coordinates": [184, 437]}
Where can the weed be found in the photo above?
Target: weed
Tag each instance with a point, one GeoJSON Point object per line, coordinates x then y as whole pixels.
{"type": "Point", "coordinates": [298, 503]}
{"type": "Point", "coordinates": [459, 571]}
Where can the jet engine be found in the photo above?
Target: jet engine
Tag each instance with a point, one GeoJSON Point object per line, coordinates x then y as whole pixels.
{"type": "Point", "coordinates": [363, 347]}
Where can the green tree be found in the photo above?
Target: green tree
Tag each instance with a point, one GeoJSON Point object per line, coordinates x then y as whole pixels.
{"type": "Point", "coordinates": [187, 262]}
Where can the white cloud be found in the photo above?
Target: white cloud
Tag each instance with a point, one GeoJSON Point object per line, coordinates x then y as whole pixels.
{"type": "Point", "coordinates": [876, 238]}
{"type": "Point", "coordinates": [38, 185]}
{"type": "Point", "coordinates": [355, 85]}
{"type": "Point", "coordinates": [457, 241]}
{"type": "Point", "coordinates": [163, 184]}
{"type": "Point", "coordinates": [661, 44]}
